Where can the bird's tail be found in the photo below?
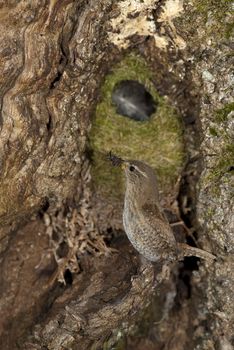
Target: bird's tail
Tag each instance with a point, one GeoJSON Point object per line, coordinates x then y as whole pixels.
{"type": "Point", "coordinates": [187, 250]}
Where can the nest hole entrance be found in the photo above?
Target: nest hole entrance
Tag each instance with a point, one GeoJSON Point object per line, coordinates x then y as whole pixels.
{"type": "Point", "coordinates": [136, 120]}
{"type": "Point", "coordinates": [133, 100]}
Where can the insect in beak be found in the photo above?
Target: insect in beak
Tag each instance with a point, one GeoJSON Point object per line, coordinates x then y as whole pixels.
{"type": "Point", "coordinates": [115, 160]}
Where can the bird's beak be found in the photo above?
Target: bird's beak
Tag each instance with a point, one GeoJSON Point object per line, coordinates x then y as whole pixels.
{"type": "Point", "coordinates": [124, 165]}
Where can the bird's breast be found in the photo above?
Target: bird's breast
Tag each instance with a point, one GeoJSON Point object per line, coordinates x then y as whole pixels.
{"type": "Point", "coordinates": [147, 238]}
{"type": "Point", "coordinates": [140, 233]}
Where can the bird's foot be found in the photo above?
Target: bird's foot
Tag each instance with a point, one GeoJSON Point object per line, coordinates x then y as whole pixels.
{"type": "Point", "coordinates": [164, 275]}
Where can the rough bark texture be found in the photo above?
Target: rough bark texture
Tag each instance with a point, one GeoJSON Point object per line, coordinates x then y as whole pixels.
{"type": "Point", "coordinates": [54, 56]}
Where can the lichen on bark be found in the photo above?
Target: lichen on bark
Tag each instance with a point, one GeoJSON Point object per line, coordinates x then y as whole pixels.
{"type": "Point", "coordinates": [55, 58]}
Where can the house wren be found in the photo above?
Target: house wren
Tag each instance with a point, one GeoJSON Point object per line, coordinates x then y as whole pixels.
{"type": "Point", "coordinates": [144, 221]}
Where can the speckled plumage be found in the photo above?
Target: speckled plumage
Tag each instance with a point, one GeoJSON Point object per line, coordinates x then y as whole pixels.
{"type": "Point", "coordinates": [144, 221]}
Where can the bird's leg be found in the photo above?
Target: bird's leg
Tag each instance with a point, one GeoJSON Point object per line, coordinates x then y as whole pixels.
{"type": "Point", "coordinates": [188, 230]}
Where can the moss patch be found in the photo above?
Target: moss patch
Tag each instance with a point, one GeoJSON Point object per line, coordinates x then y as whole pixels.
{"type": "Point", "coordinates": [213, 131]}
{"type": "Point", "coordinates": [224, 159]}
{"type": "Point", "coordinates": [222, 114]}
{"type": "Point", "coordinates": [225, 162]}
{"type": "Point", "coordinates": [158, 142]}
{"type": "Point", "coordinates": [218, 13]}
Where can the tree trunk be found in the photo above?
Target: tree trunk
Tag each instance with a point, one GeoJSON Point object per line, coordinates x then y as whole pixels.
{"type": "Point", "coordinates": [63, 286]}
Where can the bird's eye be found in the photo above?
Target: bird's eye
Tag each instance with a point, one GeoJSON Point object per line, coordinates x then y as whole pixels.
{"type": "Point", "coordinates": [131, 168]}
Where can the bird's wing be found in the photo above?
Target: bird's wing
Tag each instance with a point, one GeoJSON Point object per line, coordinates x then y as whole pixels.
{"type": "Point", "coordinates": [158, 221]}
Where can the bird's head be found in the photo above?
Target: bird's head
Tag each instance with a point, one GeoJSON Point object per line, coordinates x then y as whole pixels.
{"type": "Point", "coordinates": [141, 180]}
{"type": "Point", "coordinates": [139, 176]}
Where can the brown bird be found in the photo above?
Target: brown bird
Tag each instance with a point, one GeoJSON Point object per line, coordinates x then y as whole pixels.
{"type": "Point", "coordinates": [144, 221]}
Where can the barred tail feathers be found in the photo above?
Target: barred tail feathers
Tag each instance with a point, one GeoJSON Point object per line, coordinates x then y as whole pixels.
{"type": "Point", "coordinates": [186, 250]}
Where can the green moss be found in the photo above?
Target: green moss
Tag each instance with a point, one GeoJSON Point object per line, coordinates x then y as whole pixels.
{"type": "Point", "coordinates": [229, 30]}
{"type": "Point", "coordinates": [158, 142]}
{"type": "Point", "coordinates": [221, 114]}
{"type": "Point", "coordinates": [225, 157]}
{"type": "Point", "coordinates": [218, 13]}
{"type": "Point", "coordinates": [225, 161]}
{"type": "Point", "coordinates": [218, 9]}
{"type": "Point", "coordinates": [213, 131]}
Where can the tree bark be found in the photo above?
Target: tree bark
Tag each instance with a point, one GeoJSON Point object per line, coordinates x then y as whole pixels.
{"type": "Point", "coordinates": [54, 57]}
